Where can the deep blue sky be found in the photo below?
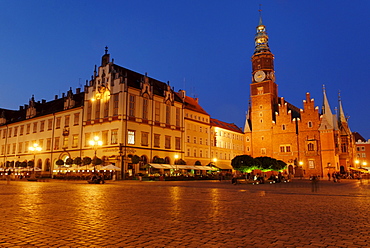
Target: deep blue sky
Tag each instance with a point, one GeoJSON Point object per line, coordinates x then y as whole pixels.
{"type": "Point", "coordinates": [201, 46]}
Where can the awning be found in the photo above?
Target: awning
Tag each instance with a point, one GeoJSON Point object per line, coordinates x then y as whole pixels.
{"type": "Point", "coordinates": [358, 169]}
{"type": "Point", "coordinates": [224, 166]}
{"type": "Point", "coordinates": [205, 168]}
{"type": "Point", "coordinates": [161, 166]}
{"type": "Point", "coordinates": [185, 167]}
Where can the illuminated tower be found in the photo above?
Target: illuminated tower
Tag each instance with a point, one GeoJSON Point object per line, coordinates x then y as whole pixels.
{"type": "Point", "coordinates": [264, 95]}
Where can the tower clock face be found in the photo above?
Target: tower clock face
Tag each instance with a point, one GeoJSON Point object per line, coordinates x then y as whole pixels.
{"type": "Point", "coordinates": [259, 76]}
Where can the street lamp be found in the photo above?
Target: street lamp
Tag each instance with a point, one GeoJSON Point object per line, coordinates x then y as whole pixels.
{"type": "Point", "coordinates": [34, 149]}
{"type": "Point", "coordinates": [176, 157]}
{"type": "Point", "coordinates": [95, 143]}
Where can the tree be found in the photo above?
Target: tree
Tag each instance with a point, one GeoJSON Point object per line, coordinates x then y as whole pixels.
{"type": "Point", "coordinates": [77, 161]}
{"type": "Point", "coordinates": [59, 162]}
{"type": "Point", "coordinates": [180, 162]}
{"type": "Point", "coordinates": [69, 161]}
{"type": "Point", "coordinates": [135, 159]}
{"type": "Point", "coordinates": [86, 160]}
{"type": "Point", "coordinates": [245, 163]}
{"type": "Point", "coordinates": [96, 161]}
{"type": "Point", "coordinates": [30, 163]}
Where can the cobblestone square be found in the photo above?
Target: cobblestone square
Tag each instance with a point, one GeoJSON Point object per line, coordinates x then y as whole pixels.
{"type": "Point", "coordinates": [184, 214]}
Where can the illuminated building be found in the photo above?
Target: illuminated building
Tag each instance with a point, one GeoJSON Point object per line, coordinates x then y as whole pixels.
{"type": "Point", "coordinates": [310, 142]}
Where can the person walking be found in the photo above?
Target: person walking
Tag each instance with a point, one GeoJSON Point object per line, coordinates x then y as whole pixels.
{"type": "Point", "coordinates": [329, 175]}
{"type": "Point", "coordinates": [314, 183]}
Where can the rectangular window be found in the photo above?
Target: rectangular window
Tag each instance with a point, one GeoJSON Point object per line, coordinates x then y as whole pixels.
{"type": "Point", "coordinates": [56, 143]}
{"type": "Point", "coordinates": [89, 111]}
{"type": "Point", "coordinates": [65, 142]}
{"type": "Point", "coordinates": [157, 140]}
{"type": "Point", "coordinates": [10, 132]}
{"type": "Point", "coordinates": [48, 144]}
{"type": "Point", "coordinates": [200, 141]}
{"type": "Point", "coordinates": [195, 153]}
{"type": "Point", "coordinates": [188, 139]}
{"type": "Point", "coordinates": [168, 142]}
{"type": "Point", "coordinates": [21, 130]}
{"type": "Point", "coordinates": [200, 153]}
{"type": "Point", "coordinates": [41, 144]}
{"type": "Point", "coordinates": [195, 140]}
{"type": "Point", "coordinates": [87, 139]}
{"type": "Point", "coordinates": [131, 110]}
{"type": "Point", "coordinates": [15, 131]}
{"type": "Point", "coordinates": [26, 145]}
{"type": "Point", "coordinates": [34, 127]}
{"type": "Point", "coordinates": [177, 143]}
{"type": "Point", "coordinates": [263, 151]}
{"type": "Point", "coordinates": [104, 137]}
{"type": "Point", "coordinates": [115, 104]}
{"type": "Point", "coordinates": [14, 147]}
{"type": "Point", "coordinates": [131, 137]}
{"type": "Point", "coordinates": [144, 138]}
{"type": "Point", "coordinates": [145, 108]}
{"type": "Point", "coordinates": [168, 114]}
{"type": "Point", "coordinates": [106, 109]}
{"type": "Point", "coordinates": [8, 149]}
{"type": "Point", "coordinates": [97, 109]}
{"type": "Point", "coordinates": [188, 152]}
{"type": "Point", "coordinates": [75, 141]}
{"type": "Point", "coordinates": [50, 124]}
{"type": "Point", "coordinates": [206, 143]}
{"type": "Point", "coordinates": [311, 164]}
{"type": "Point", "coordinates": [157, 112]}
{"type": "Point", "coordinates": [4, 134]}
{"type": "Point", "coordinates": [66, 121]}
{"type": "Point", "coordinates": [42, 126]}
{"type": "Point", "coordinates": [178, 117]}
{"type": "Point", "coordinates": [76, 119]}
{"type": "Point", "coordinates": [287, 148]}
{"type": "Point", "coordinates": [28, 128]}
{"type": "Point", "coordinates": [20, 147]}
{"type": "Point", "coordinates": [57, 124]}
{"type": "Point", "coordinates": [114, 136]}
{"type": "Point", "coordinates": [2, 149]}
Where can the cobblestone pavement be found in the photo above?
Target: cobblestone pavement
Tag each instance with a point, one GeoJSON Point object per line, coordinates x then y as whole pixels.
{"type": "Point", "coordinates": [184, 214]}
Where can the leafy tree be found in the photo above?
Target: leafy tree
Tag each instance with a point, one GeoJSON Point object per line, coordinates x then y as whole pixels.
{"type": "Point", "coordinates": [245, 163]}
{"type": "Point", "coordinates": [281, 165]}
{"type": "Point", "coordinates": [135, 159]}
{"type": "Point", "coordinates": [180, 162]}
{"type": "Point", "coordinates": [60, 162]}
{"type": "Point", "coordinates": [86, 160]}
{"type": "Point", "coordinates": [96, 161]}
{"type": "Point", "coordinates": [24, 164]}
{"type": "Point", "coordinates": [30, 163]}
{"type": "Point", "coordinates": [77, 161]}
{"type": "Point", "coordinates": [69, 161]}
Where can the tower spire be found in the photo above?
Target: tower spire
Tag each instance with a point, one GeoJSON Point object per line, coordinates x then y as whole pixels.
{"type": "Point", "coordinates": [261, 37]}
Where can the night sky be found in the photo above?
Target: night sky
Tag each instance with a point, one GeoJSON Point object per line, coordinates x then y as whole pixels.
{"type": "Point", "coordinates": [201, 46]}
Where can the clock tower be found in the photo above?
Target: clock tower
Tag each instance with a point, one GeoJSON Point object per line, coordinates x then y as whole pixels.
{"type": "Point", "coordinates": [264, 95]}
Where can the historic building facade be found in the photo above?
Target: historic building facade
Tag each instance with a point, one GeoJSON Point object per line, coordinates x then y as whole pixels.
{"type": "Point", "coordinates": [124, 114]}
{"type": "Point", "coordinates": [309, 141]}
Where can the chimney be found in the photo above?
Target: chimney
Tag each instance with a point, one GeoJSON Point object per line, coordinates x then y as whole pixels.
{"type": "Point", "coordinates": [20, 107]}
{"type": "Point", "coordinates": [56, 97]}
{"type": "Point", "coordinates": [63, 95]}
{"type": "Point", "coordinates": [78, 90]}
{"type": "Point", "coordinates": [43, 101]}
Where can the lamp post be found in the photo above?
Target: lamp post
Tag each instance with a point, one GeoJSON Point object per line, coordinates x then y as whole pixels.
{"type": "Point", "coordinates": [34, 149]}
{"type": "Point", "coordinates": [176, 157]}
{"type": "Point", "coordinates": [95, 144]}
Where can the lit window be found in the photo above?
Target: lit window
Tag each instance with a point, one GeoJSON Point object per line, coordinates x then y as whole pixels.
{"type": "Point", "coordinates": [131, 137]}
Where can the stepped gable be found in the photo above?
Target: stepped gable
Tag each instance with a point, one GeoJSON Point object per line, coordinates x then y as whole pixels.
{"type": "Point", "coordinates": [134, 79]}
{"type": "Point", "coordinates": [42, 108]}
{"type": "Point", "coordinates": [225, 125]}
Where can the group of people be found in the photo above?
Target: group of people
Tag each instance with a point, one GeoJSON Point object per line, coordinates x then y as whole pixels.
{"type": "Point", "coordinates": [335, 175]}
